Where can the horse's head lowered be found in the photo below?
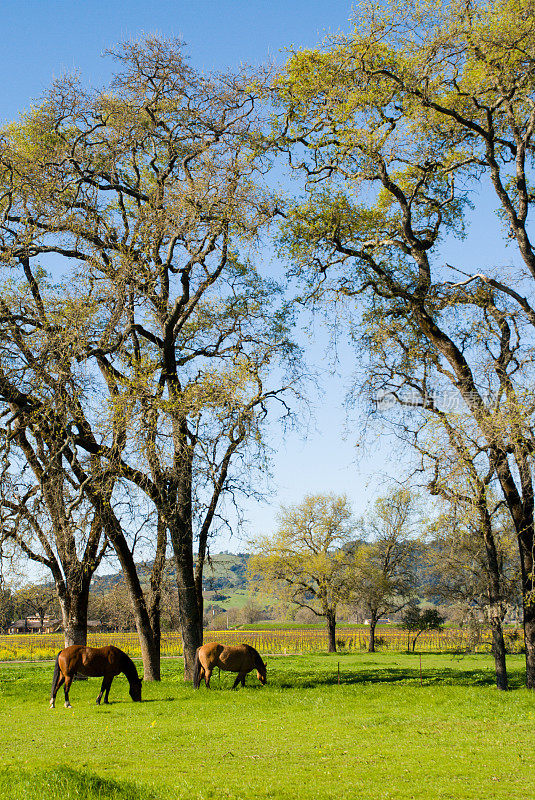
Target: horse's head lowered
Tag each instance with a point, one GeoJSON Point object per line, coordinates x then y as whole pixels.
{"type": "Point", "coordinates": [261, 671]}
{"type": "Point", "coordinates": [135, 689]}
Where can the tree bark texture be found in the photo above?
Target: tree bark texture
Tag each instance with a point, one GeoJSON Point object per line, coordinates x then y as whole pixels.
{"type": "Point", "coordinates": [74, 615]}
{"type": "Point", "coordinates": [495, 600]}
{"type": "Point", "coordinates": [179, 515]}
{"type": "Point", "coordinates": [331, 630]}
{"type": "Point", "coordinates": [526, 557]}
{"type": "Point", "coordinates": [371, 639]}
{"type": "Point", "coordinates": [188, 610]}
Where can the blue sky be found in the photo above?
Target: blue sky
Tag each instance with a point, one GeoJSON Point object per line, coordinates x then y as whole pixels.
{"type": "Point", "coordinates": [45, 38]}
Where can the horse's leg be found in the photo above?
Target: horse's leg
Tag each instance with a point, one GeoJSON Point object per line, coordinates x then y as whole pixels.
{"type": "Point", "coordinates": [55, 690]}
{"type": "Point", "coordinates": [236, 682]}
{"type": "Point", "coordinates": [108, 687]}
{"type": "Point", "coordinates": [68, 681]}
{"type": "Point", "coordinates": [102, 687]}
{"type": "Point", "coordinates": [207, 676]}
{"type": "Point", "coordinates": [243, 677]}
{"type": "Point", "coordinates": [106, 683]}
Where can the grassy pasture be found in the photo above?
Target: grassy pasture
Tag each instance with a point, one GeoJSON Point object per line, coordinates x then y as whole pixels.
{"type": "Point", "coordinates": [377, 735]}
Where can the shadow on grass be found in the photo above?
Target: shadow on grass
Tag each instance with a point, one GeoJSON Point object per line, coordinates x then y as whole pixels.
{"type": "Point", "coordinates": [127, 702]}
{"type": "Point", "coordinates": [215, 687]}
{"type": "Point", "coordinates": [66, 783]}
{"type": "Point", "coordinates": [158, 700]}
{"type": "Point", "coordinates": [445, 676]}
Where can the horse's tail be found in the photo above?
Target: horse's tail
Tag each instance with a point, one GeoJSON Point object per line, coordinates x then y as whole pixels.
{"type": "Point", "coordinates": [197, 670]}
{"type": "Point", "coordinates": [56, 676]}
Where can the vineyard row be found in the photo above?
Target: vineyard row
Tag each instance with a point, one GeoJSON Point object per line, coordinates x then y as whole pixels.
{"type": "Point", "coordinates": [35, 647]}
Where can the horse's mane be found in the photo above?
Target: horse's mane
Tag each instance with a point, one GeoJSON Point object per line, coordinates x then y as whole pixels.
{"type": "Point", "coordinates": [129, 668]}
{"type": "Point", "coordinates": [259, 664]}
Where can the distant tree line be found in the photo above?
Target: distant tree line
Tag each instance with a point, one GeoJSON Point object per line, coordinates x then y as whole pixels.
{"type": "Point", "coordinates": [404, 565]}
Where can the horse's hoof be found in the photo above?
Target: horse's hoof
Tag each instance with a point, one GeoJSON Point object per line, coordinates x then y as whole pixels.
{"type": "Point", "coordinates": [68, 705]}
{"type": "Point", "coordinates": [51, 705]}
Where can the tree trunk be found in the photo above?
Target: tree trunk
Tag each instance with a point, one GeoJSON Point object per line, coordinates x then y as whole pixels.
{"type": "Point", "coordinates": [498, 650]}
{"type": "Point", "coordinates": [199, 568]}
{"type": "Point", "coordinates": [520, 504]}
{"type": "Point", "coordinates": [155, 597]}
{"type": "Point", "coordinates": [188, 606]}
{"type": "Point", "coordinates": [149, 639]}
{"type": "Point", "coordinates": [371, 640]}
{"type": "Point", "coordinates": [180, 526]}
{"type": "Point", "coordinates": [205, 527]}
{"type": "Point", "coordinates": [74, 615]}
{"type": "Point", "coordinates": [150, 650]}
{"type": "Point", "coordinates": [188, 611]}
{"type": "Point", "coordinates": [495, 599]}
{"type": "Point", "coordinates": [154, 615]}
{"type": "Point", "coordinates": [529, 638]}
{"type": "Point", "coordinates": [331, 630]}
{"type": "Point", "coordinates": [200, 601]}
{"type": "Point", "coordinates": [526, 557]}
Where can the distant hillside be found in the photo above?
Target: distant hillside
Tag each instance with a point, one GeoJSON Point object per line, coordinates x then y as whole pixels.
{"type": "Point", "coordinates": [226, 570]}
{"type": "Point", "coordinates": [101, 584]}
{"type": "Point", "coordinates": [222, 571]}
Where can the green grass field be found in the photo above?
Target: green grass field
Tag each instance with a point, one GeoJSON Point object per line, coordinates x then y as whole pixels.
{"type": "Point", "coordinates": [379, 734]}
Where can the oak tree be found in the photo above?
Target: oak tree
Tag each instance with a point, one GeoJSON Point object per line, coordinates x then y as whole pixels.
{"type": "Point", "coordinates": [392, 126]}
{"type": "Point", "coordinates": [152, 194]}
{"type": "Point", "coordinates": [386, 570]}
{"type": "Point", "coordinates": [309, 559]}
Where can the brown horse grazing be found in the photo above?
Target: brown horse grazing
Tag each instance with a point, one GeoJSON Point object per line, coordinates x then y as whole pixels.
{"type": "Point", "coordinates": [241, 659]}
{"type": "Point", "coordinates": [105, 662]}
